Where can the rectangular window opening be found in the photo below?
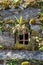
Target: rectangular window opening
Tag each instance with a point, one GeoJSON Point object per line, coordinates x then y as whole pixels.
{"type": "Point", "coordinates": [21, 42]}
{"type": "Point", "coordinates": [20, 37]}
{"type": "Point", "coordinates": [26, 36]}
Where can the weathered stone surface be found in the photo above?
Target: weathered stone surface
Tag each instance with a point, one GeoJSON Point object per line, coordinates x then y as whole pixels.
{"type": "Point", "coordinates": [16, 54]}
{"type": "Point", "coordinates": [27, 13]}
{"type": "Point", "coordinates": [7, 41]}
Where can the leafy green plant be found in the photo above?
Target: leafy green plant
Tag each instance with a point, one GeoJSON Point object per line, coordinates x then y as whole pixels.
{"type": "Point", "coordinates": [13, 62]}
{"type": "Point", "coordinates": [41, 48]}
{"type": "Point", "coordinates": [1, 46]}
{"type": "Point", "coordinates": [19, 21]}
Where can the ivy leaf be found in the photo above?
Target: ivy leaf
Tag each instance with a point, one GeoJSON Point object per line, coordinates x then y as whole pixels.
{"type": "Point", "coordinates": [20, 20]}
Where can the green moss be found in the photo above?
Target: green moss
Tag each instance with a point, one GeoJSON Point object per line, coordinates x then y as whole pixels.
{"type": "Point", "coordinates": [41, 48]}
{"type": "Point", "coordinates": [40, 3]}
{"type": "Point", "coordinates": [41, 27]}
{"type": "Point", "coordinates": [1, 46]}
{"type": "Point", "coordinates": [0, 31]}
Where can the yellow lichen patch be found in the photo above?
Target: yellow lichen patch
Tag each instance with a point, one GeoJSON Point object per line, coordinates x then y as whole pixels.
{"type": "Point", "coordinates": [5, 4]}
{"type": "Point", "coordinates": [16, 3]}
{"type": "Point", "coordinates": [35, 33]}
{"type": "Point", "coordinates": [25, 63]}
{"type": "Point", "coordinates": [41, 19]}
{"type": "Point", "coordinates": [19, 46]}
{"type": "Point", "coordinates": [32, 21]}
{"type": "Point", "coordinates": [10, 21]}
{"type": "Point", "coordinates": [3, 28]}
{"type": "Point", "coordinates": [30, 3]}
